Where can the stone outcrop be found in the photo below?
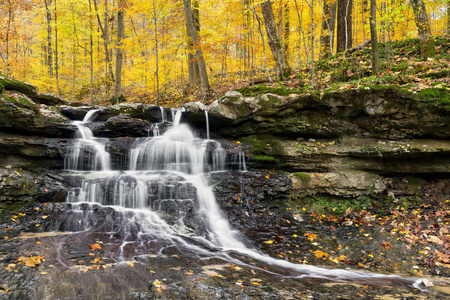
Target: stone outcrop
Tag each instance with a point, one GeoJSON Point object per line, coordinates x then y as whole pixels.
{"type": "Point", "coordinates": [338, 143]}
{"type": "Point", "coordinates": [385, 113]}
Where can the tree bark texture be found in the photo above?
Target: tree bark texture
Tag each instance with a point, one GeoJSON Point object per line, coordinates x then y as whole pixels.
{"type": "Point", "coordinates": [56, 50]}
{"type": "Point", "coordinates": [194, 73]}
{"type": "Point", "coordinates": [373, 35]}
{"type": "Point", "coordinates": [287, 28]}
{"type": "Point", "coordinates": [104, 31]}
{"type": "Point", "coordinates": [327, 33]}
{"type": "Point", "coordinates": [448, 17]}
{"type": "Point", "coordinates": [119, 52]}
{"type": "Point", "coordinates": [48, 14]}
{"type": "Point", "coordinates": [423, 27]}
{"type": "Point", "coordinates": [274, 40]}
{"type": "Point", "coordinates": [344, 25]}
{"type": "Point", "coordinates": [190, 20]}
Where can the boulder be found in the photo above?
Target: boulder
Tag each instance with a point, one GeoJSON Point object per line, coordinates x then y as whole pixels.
{"type": "Point", "coordinates": [18, 113]}
{"type": "Point", "coordinates": [230, 109]}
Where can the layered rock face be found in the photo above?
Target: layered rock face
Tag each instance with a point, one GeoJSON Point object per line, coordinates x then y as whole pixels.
{"type": "Point", "coordinates": [341, 144]}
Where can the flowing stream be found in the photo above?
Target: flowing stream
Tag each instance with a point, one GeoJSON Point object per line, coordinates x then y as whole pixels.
{"type": "Point", "coordinates": [163, 199]}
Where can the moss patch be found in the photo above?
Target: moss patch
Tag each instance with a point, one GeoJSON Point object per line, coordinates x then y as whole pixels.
{"type": "Point", "coordinates": [303, 177]}
{"type": "Point", "coordinates": [440, 96]}
{"type": "Point", "coordinates": [263, 158]}
{"type": "Point", "coordinates": [14, 85]}
{"type": "Point", "coordinates": [323, 204]}
{"type": "Point", "coordinates": [264, 145]}
{"type": "Point", "coordinates": [266, 89]}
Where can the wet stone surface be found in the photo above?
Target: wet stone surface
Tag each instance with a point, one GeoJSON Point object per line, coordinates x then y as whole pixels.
{"type": "Point", "coordinates": [37, 264]}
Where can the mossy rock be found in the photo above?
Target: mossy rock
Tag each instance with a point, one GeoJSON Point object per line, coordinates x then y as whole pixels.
{"type": "Point", "coordinates": [20, 100]}
{"type": "Point", "coordinates": [15, 85]}
{"type": "Point", "coordinates": [49, 99]}
{"type": "Point", "coordinates": [439, 96]}
{"type": "Point", "coordinates": [303, 177]}
{"type": "Point", "coordinates": [264, 146]}
{"type": "Point", "coordinates": [264, 89]}
{"type": "Point", "coordinates": [325, 204]}
{"type": "Point", "coordinates": [264, 158]}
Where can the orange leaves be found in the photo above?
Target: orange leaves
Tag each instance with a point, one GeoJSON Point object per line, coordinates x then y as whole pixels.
{"type": "Point", "coordinates": [31, 261]}
{"type": "Point", "coordinates": [386, 245]}
{"type": "Point", "coordinates": [320, 254]}
{"type": "Point", "coordinates": [96, 260]}
{"type": "Point", "coordinates": [95, 246]}
{"type": "Point", "coordinates": [310, 236]}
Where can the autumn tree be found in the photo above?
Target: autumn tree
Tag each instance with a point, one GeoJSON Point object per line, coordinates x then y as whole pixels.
{"type": "Point", "coordinates": [49, 59]}
{"type": "Point", "coordinates": [328, 24]}
{"type": "Point", "coordinates": [344, 25]}
{"type": "Point", "coordinates": [190, 20]}
{"type": "Point", "coordinates": [373, 35]}
{"type": "Point", "coordinates": [119, 51]}
{"type": "Point", "coordinates": [274, 40]}
{"type": "Point", "coordinates": [423, 28]}
{"type": "Point", "coordinates": [104, 34]}
{"type": "Point", "coordinates": [193, 71]}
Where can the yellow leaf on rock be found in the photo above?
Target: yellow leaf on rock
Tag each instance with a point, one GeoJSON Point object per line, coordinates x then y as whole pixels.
{"type": "Point", "coordinates": [320, 254]}
{"type": "Point", "coordinates": [310, 236]}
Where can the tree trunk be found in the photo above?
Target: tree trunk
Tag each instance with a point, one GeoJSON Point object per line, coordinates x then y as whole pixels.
{"type": "Point", "coordinates": [155, 20]}
{"type": "Point", "coordinates": [91, 56]}
{"type": "Point", "coordinates": [287, 28]}
{"type": "Point", "coordinates": [423, 27]}
{"type": "Point", "coordinates": [344, 25]}
{"type": "Point", "coordinates": [448, 17]}
{"type": "Point", "coordinates": [327, 33]}
{"type": "Point", "coordinates": [274, 40]}
{"type": "Point", "coordinates": [119, 52]}
{"type": "Point", "coordinates": [105, 41]}
{"type": "Point", "coordinates": [194, 73]}
{"type": "Point", "coordinates": [56, 53]}
{"type": "Point", "coordinates": [373, 36]}
{"type": "Point", "coordinates": [198, 50]}
{"type": "Point", "coordinates": [5, 57]}
{"type": "Point", "coordinates": [49, 37]}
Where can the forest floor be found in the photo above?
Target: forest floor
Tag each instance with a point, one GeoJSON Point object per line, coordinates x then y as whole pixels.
{"type": "Point", "coordinates": [400, 65]}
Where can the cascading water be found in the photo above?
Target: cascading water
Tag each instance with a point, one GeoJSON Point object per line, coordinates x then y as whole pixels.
{"type": "Point", "coordinates": [87, 153]}
{"type": "Point", "coordinates": [163, 199]}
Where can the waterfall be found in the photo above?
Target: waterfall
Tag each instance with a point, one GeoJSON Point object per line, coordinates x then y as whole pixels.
{"type": "Point", "coordinates": [87, 153]}
{"type": "Point", "coordinates": [164, 197]}
{"type": "Point", "coordinates": [207, 124]}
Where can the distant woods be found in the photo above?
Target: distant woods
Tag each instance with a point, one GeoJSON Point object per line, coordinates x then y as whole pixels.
{"type": "Point", "coordinates": [159, 51]}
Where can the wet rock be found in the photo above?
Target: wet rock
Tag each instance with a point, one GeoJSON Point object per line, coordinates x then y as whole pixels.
{"type": "Point", "coordinates": [230, 109]}
{"type": "Point", "coordinates": [195, 113]}
{"type": "Point", "coordinates": [123, 125]}
{"type": "Point", "coordinates": [75, 113]}
{"type": "Point", "coordinates": [19, 187]}
{"type": "Point", "coordinates": [31, 152]}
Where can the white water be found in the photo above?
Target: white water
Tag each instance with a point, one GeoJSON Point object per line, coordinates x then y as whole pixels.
{"type": "Point", "coordinates": [87, 153]}
{"type": "Point", "coordinates": [167, 175]}
{"type": "Point", "coordinates": [207, 124]}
